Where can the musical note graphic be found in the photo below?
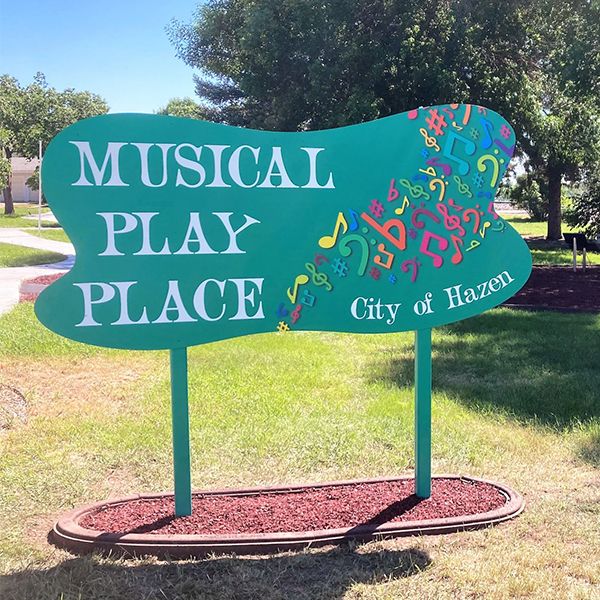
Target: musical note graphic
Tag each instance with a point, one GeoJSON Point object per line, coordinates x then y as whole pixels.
{"type": "Point", "coordinates": [488, 128]}
{"type": "Point", "coordinates": [430, 141]}
{"type": "Point", "coordinates": [390, 257]}
{"type": "Point", "coordinates": [455, 206]}
{"type": "Point", "coordinates": [481, 166]}
{"type": "Point", "coordinates": [508, 151]}
{"type": "Point", "coordinates": [319, 279]}
{"type": "Point", "coordinates": [385, 230]}
{"type": "Point", "coordinates": [282, 311]}
{"type": "Point", "coordinates": [329, 241]}
{"type": "Point", "coordinates": [435, 162]}
{"type": "Point", "coordinates": [415, 264]}
{"type": "Point", "coordinates": [484, 228]}
{"type": "Point", "coordinates": [435, 182]}
{"type": "Point", "coordinates": [308, 299]}
{"type": "Point", "coordinates": [457, 243]}
{"type": "Point", "coordinates": [476, 217]}
{"type": "Point", "coordinates": [438, 260]}
{"type": "Point", "coordinates": [405, 204]}
{"type": "Point", "coordinates": [345, 250]}
{"type": "Point", "coordinates": [423, 211]}
{"type": "Point", "coordinates": [416, 191]}
{"type": "Point", "coordinates": [473, 245]}
{"type": "Point", "coordinates": [451, 222]}
{"type": "Point", "coordinates": [499, 226]}
{"type": "Point", "coordinates": [296, 313]}
{"type": "Point", "coordinates": [492, 212]}
{"type": "Point", "coordinates": [428, 171]}
{"type": "Point", "coordinates": [354, 224]}
{"type": "Point", "coordinates": [463, 188]}
{"type": "Point", "coordinates": [393, 193]}
{"type": "Point", "coordinates": [467, 114]}
{"type": "Point", "coordinates": [300, 280]}
{"type": "Point", "coordinates": [469, 148]}
{"type": "Point", "coordinates": [320, 259]}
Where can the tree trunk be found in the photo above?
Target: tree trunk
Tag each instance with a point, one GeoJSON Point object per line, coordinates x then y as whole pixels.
{"type": "Point", "coordinates": [554, 209]}
{"type": "Point", "coordinates": [9, 207]}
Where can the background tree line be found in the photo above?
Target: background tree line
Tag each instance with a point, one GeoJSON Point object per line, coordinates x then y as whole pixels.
{"type": "Point", "coordinates": [308, 64]}
{"type": "Point", "coordinates": [33, 113]}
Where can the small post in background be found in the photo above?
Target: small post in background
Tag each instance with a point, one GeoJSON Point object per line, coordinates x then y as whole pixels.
{"type": "Point", "coordinates": [40, 188]}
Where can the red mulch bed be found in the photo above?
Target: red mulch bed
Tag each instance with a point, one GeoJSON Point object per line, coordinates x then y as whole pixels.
{"type": "Point", "coordinates": [43, 279]}
{"type": "Point", "coordinates": [304, 509]}
{"type": "Point", "coordinates": [560, 288]}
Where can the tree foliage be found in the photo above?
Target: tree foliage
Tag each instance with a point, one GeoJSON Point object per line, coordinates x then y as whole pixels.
{"type": "Point", "coordinates": [183, 107]}
{"type": "Point", "coordinates": [35, 113]}
{"type": "Point", "coordinates": [307, 64]}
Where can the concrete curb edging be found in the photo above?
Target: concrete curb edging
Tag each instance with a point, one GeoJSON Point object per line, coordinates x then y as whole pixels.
{"type": "Point", "coordinates": [69, 535]}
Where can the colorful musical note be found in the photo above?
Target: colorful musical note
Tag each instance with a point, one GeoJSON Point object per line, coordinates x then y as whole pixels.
{"type": "Point", "coordinates": [483, 229]}
{"type": "Point", "coordinates": [423, 211]}
{"type": "Point", "coordinates": [319, 279]}
{"type": "Point", "coordinates": [282, 311]}
{"type": "Point", "coordinates": [455, 206]}
{"type": "Point", "coordinates": [508, 151]}
{"type": "Point", "coordinates": [467, 114]}
{"type": "Point", "coordinates": [435, 162]}
{"type": "Point", "coordinates": [438, 260]}
{"type": "Point", "coordinates": [329, 241]}
{"type": "Point", "coordinates": [320, 259]}
{"type": "Point", "coordinates": [354, 223]}
{"type": "Point", "coordinates": [481, 166]}
{"type": "Point", "coordinates": [499, 226]}
{"type": "Point", "coordinates": [415, 264]}
{"type": "Point", "coordinates": [416, 191]}
{"type": "Point", "coordinates": [469, 147]}
{"type": "Point", "coordinates": [430, 141]}
{"type": "Point", "coordinates": [405, 204]}
{"type": "Point", "coordinates": [390, 257]}
{"type": "Point", "coordinates": [488, 131]}
{"type": "Point", "coordinates": [492, 212]}
{"type": "Point", "coordinates": [457, 243]}
{"type": "Point", "coordinates": [296, 313]}
{"type": "Point", "coordinates": [282, 327]}
{"type": "Point", "coordinates": [308, 299]}
{"type": "Point", "coordinates": [428, 171]}
{"type": "Point", "coordinates": [345, 250]}
{"type": "Point", "coordinates": [393, 193]}
{"type": "Point", "coordinates": [472, 214]}
{"type": "Point", "coordinates": [463, 188]}
{"type": "Point", "coordinates": [451, 222]}
{"type": "Point", "coordinates": [300, 280]}
{"type": "Point", "coordinates": [473, 245]}
{"type": "Point", "coordinates": [385, 230]}
{"type": "Point", "coordinates": [435, 182]}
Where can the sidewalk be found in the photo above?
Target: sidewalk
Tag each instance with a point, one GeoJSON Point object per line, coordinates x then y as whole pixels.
{"type": "Point", "coordinates": [11, 277]}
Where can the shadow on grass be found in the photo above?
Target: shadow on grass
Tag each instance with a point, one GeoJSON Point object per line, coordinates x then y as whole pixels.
{"type": "Point", "coordinates": [326, 574]}
{"type": "Point", "coordinates": [537, 367]}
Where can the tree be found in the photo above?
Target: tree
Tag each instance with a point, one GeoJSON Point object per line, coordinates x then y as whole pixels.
{"type": "Point", "coordinates": [33, 113]}
{"type": "Point", "coordinates": [306, 64]}
{"type": "Point", "coordinates": [183, 107]}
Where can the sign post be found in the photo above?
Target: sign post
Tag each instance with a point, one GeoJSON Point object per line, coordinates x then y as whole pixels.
{"type": "Point", "coordinates": [194, 232]}
{"type": "Point", "coordinates": [423, 413]}
{"type": "Point", "coordinates": [181, 432]}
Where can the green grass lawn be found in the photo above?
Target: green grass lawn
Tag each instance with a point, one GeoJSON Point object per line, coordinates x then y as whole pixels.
{"type": "Point", "coordinates": [57, 234]}
{"type": "Point", "coordinates": [22, 210]}
{"type": "Point", "coordinates": [516, 398]}
{"type": "Point", "coordinates": [526, 226]}
{"type": "Point", "coordinates": [20, 256]}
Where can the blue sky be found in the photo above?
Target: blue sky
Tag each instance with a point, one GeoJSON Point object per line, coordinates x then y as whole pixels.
{"type": "Point", "coordinates": [119, 50]}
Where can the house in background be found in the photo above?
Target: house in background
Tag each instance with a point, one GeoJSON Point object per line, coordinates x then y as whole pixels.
{"type": "Point", "coordinates": [22, 169]}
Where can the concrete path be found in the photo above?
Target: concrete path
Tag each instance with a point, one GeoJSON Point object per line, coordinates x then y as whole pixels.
{"type": "Point", "coordinates": [11, 277]}
{"type": "Point", "coordinates": [46, 216]}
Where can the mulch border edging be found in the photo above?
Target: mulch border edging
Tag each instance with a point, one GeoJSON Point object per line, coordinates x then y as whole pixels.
{"type": "Point", "coordinates": [69, 535]}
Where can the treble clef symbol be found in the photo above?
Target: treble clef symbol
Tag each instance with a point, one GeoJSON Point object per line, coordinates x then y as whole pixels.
{"type": "Point", "coordinates": [451, 222]}
{"type": "Point", "coordinates": [463, 188]}
{"type": "Point", "coordinates": [296, 313]}
{"type": "Point", "coordinates": [430, 141]}
{"type": "Point", "coordinates": [318, 278]}
{"type": "Point", "coordinates": [416, 191]}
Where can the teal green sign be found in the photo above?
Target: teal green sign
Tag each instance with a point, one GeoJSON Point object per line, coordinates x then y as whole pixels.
{"type": "Point", "coordinates": [189, 232]}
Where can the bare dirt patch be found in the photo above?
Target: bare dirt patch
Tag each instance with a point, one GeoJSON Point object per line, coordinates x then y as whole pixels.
{"type": "Point", "coordinates": [60, 387]}
{"type": "Point", "coordinates": [13, 407]}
